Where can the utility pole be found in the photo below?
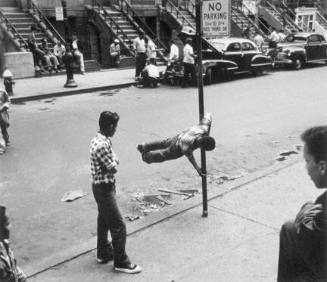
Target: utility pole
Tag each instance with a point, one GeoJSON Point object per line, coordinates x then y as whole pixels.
{"type": "Point", "coordinates": [199, 34]}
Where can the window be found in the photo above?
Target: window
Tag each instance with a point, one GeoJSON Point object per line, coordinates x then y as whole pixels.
{"type": "Point", "coordinates": [313, 38]}
{"type": "Point", "coordinates": [246, 46]}
{"type": "Point", "coordinates": [234, 47]}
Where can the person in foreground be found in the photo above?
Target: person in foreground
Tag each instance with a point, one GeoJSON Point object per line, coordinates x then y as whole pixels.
{"type": "Point", "coordinates": [182, 144]}
{"type": "Point", "coordinates": [303, 242]}
{"type": "Point", "coordinates": [104, 164]}
{"type": "Point", "coordinates": [9, 271]}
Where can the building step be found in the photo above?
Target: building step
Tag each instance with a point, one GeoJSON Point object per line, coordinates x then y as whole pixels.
{"type": "Point", "coordinates": [91, 65]}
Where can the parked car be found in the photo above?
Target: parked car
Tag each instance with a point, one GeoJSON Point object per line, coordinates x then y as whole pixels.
{"type": "Point", "coordinates": [242, 51]}
{"type": "Point", "coordinates": [212, 69]}
{"type": "Point", "coordinates": [301, 48]}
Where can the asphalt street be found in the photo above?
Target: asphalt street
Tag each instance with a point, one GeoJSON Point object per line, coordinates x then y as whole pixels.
{"type": "Point", "coordinates": [254, 119]}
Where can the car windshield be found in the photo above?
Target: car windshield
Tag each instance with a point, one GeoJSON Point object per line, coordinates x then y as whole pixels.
{"type": "Point", "coordinates": [218, 45]}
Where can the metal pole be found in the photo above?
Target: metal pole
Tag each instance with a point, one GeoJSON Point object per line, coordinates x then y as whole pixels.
{"type": "Point", "coordinates": [201, 102]}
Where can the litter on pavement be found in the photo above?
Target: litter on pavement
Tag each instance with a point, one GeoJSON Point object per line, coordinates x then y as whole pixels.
{"type": "Point", "coordinates": [73, 195]}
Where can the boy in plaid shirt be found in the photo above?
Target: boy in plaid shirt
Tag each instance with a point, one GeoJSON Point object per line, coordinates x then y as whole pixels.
{"type": "Point", "coordinates": [104, 164]}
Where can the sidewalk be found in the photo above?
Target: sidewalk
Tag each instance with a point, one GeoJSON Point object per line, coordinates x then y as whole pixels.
{"type": "Point", "coordinates": [53, 86]}
{"type": "Point", "coordinates": [238, 241]}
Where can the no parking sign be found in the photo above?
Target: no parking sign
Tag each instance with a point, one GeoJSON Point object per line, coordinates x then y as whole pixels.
{"type": "Point", "coordinates": [216, 18]}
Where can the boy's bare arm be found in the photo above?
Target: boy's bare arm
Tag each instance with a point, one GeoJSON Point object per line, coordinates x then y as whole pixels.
{"type": "Point", "coordinates": [195, 165]}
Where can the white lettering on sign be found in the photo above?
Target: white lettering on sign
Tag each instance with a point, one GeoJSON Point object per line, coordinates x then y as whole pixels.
{"type": "Point", "coordinates": [216, 18]}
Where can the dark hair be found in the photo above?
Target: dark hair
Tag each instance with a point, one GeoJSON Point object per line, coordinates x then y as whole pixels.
{"type": "Point", "coordinates": [107, 118]}
{"type": "Point", "coordinates": [315, 139]}
{"type": "Point", "coordinates": [207, 143]}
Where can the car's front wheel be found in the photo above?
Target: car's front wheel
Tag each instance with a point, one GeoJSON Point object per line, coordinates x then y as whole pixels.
{"type": "Point", "coordinates": [297, 63]}
{"type": "Point", "coordinates": [257, 71]}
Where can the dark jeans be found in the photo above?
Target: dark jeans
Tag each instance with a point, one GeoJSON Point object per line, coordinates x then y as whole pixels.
{"type": "Point", "coordinates": [4, 131]}
{"type": "Point", "coordinates": [302, 257]}
{"type": "Point", "coordinates": [159, 151]}
{"type": "Point", "coordinates": [189, 69]}
{"type": "Point", "coordinates": [140, 63]}
{"type": "Point", "coordinates": [110, 219]}
{"type": "Point", "coordinates": [149, 81]}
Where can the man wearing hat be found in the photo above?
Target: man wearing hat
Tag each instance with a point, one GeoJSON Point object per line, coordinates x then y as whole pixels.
{"type": "Point", "coordinates": [115, 53]}
{"type": "Point", "coordinates": [188, 62]}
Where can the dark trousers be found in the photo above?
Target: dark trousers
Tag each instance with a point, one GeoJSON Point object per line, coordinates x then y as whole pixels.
{"type": "Point", "coordinates": [110, 219]}
{"type": "Point", "coordinates": [4, 131]}
{"type": "Point", "coordinates": [189, 69]}
{"type": "Point", "coordinates": [302, 257]}
{"type": "Point", "coordinates": [149, 81]}
{"type": "Point", "coordinates": [162, 150]}
{"type": "Point", "coordinates": [140, 63]}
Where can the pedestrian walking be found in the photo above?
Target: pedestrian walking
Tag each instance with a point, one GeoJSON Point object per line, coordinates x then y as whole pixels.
{"type": "Point", "coordinates": [104, 164]}
{"type": "Point", "coordinates": [76, 47]}
{"type": "Point", "coordinates": [180, 145]}
{"type": "Point", "coordinates": [115, 52]}
{"type": "Point", "coordinates": [4, 120]}
{"type": "Point", "coordinates": [140, 53]}
{"type": "Point", "coordinates": [189, 63]}
{"type": "Point", "coordinates": [303, 244]}
{"type": "Point", "coordinates": [9, 271]}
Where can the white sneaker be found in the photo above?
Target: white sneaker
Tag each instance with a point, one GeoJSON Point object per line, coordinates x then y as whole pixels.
{"type": "Point", "coordinates": [129, 268]}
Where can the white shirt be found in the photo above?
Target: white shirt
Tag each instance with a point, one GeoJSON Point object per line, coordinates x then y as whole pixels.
{"type": "Point", "coordinates": [139, 45]}
{"type": "Point", "coordinates": [274, 36]}
{"type": "Point", "coordinates": [258, 40]}
{"type": "Point", "coordinates": [59, 51]}
{"type": "Point", "coordinates": [174, 52]}
{"type": "Point", "coordinates": [151, 50]}
{"type": "Point", "coordinates": [188, 52]}
{"type": "Point", "coordinates": [152, 71]}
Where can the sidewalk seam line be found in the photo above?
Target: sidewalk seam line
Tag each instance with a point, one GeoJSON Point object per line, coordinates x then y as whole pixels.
{"type": "Point", "coordinates": [246, 218]}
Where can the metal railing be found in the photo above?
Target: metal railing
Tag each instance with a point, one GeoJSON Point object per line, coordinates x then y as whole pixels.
{"type": "Point", "coordinates": [288, 19]}
{"type": "Point", "coordinates": [10, 28]}
{"type": "Point", "coordinates": [34, 8]}
{"type": "Point", "coordinates": [170, 7]}
{"type": "Point", "coordinates": [322, 11]}
{"type": "Point", "coordinates": [114, 27]}
{"type": "Point", "coordinates": [139, 23]}
{"type": "Point", "coordinates": [257, 22]}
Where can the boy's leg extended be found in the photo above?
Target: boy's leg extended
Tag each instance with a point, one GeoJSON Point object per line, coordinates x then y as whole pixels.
{"type": "Point", "coordinates": [156, 152]}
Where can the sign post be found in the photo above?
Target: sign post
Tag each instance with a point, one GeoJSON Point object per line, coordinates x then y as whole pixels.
{"type": "Point", "coordinates": [201, 102]}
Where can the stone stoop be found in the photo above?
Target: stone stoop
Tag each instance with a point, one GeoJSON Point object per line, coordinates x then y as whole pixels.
{"type": "Point", "coordinates": [91, 65]}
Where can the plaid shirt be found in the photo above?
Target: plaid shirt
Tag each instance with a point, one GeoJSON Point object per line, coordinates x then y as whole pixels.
{"type": "Point", "coordinates": [103, 159]}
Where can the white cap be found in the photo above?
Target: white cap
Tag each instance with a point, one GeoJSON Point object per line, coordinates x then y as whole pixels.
{"type": "Point", "coordinates": [116, 41]}
{"type": "Point", "coordinates": [7, 73]}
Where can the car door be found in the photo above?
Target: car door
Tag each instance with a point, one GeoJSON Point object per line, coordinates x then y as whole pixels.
{"type": "Point", "coordinates": [249, 51]}
{"type": "Point", "coordinates": [313, 48]}
{"type": "Point", "coordinates": [234, 53]}
{"type": "Point", "coordinates": [323, 47]}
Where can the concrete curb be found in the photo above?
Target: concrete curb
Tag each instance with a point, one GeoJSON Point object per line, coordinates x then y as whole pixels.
{"type": "Point", "coordinates": [61, 257]}
{"type": "Point", "coordinates": [16, 100]}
